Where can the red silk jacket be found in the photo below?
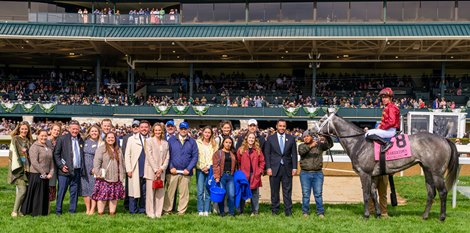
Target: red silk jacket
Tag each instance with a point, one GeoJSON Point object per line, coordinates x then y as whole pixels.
{"type": "Point", "coordinates": [390, 117]}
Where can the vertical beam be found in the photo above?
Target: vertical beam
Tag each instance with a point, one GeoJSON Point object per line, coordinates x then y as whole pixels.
{"type": "Point", "coordinates": [132, 81]}
{"type": "Point", "coordinates": [443, 78]}
{"type": "Point", "coordinates": [191, 80]}
{"type": "Point", "coordinates": [385, 11]}
{"type": "Point", "coordinates": [314, 81]}
{"type": "Point", "coordinates": [98, 74]}
{"type": "Point", "coordinates": [247, 12]}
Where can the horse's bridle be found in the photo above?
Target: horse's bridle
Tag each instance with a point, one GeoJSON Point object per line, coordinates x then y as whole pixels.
{"type": "Point", "coordinates": [327, 122]}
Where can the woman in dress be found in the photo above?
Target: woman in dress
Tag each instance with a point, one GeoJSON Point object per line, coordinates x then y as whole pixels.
{"type": "Point", "coordinates": [92, 142]}
{"type": "Point", "coordinates": [55, 130]}
{"type": "Point", "coordinates": [251, 162]}
{"type": "Point", "coordinates": [156, 163]}
{"type": "Point", "coordinates": [108, 165]}
{"type": "Point", "coordinates": [41, 169]}
{"type": "Point", "coordinates": [206, 146]}
{"type": "Point", "coordinates": [223, 163]}
{"type": "Point", "coordinates": [21, 140]}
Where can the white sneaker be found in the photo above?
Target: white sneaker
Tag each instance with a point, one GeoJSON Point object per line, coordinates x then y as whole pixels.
{"type": "Point", "coordinates": [201, 214]}
{"type": "Point", "coordinates": [206, 214]}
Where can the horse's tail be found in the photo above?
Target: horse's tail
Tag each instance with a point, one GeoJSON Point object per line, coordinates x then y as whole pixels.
{"type": "Point", "coordinates": [453, 166]}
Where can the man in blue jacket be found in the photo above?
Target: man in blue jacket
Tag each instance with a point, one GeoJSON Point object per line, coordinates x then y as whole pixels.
{"type": "Point", "coordinates": [183, 158]}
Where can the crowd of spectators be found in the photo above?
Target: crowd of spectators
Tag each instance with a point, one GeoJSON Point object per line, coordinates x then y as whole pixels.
{"type": "Point", "coordinates": [75, 87]}
{"type": "Point", "coordinates": [140, 16]}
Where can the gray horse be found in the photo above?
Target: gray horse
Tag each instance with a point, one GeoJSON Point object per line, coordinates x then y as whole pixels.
{"type": "Point", "coordinates": [435, 154]}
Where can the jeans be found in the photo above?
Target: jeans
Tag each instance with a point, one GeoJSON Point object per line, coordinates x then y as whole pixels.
{"type": "Point", "coordinates": [308, 181]}
{"type": "Point", "coordinates": [254, 202]}
{"type": "Point", "coordinates": [203, 199]}
{"type": "Point", "coordinates": [226, 182]}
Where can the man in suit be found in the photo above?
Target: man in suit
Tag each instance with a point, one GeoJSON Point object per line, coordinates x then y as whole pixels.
{"type": "Point", "coordinates": [68, 158]}
{"type": "Point", "coordinates": [135, 131]}
{"type": "Point", "coordinates": [170, 129]}
{"type": "Point", "coordinates": [281, 164]}
{"type": "Point", "coordinates": [134, 159]}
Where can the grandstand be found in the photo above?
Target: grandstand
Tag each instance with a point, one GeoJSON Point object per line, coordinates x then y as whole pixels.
{"type": "Point", "coordinates": [262, 56]}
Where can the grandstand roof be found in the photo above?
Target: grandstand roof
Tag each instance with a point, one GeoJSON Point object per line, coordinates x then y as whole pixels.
{"type": "Point", "coordinates": [245, 42]}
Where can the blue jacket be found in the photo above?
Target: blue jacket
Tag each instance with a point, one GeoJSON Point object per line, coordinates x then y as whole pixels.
{"type": "Point", "coordinates": [242, 187]}
{"type": "Point", "coordinates": [183, 156]}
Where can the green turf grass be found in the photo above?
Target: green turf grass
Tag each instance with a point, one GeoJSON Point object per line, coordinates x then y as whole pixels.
{"type": "Point", "coordinates": [339, 218]}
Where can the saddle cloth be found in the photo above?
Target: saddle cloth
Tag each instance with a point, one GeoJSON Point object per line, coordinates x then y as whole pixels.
{"type": "Point", "coordinates": [401, 148]}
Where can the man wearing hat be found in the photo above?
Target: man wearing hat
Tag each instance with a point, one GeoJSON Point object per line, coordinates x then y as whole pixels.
{"type": "Point", "coordinates": [311, 174]}
{"type": "Point", "coordinates": [252, 128]}
{"type": "Point", "coordinates": [170, 129]}
{"type": "Point", "coordinates": [183, 158]}
{"type": "Point", "coordinates": [135, 131]}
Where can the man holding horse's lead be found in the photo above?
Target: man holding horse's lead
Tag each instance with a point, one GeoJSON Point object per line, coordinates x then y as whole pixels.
{"type": "Point", "coordinates": [389, 123]}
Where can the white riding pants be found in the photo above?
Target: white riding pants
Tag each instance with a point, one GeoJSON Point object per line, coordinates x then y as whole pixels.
{"type": "Point", "coordinates": [382, 133]}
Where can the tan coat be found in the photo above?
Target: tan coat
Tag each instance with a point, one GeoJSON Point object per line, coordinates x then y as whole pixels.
{"type": "Point", "coordinates": [41, 159]}
{"type": "Point", "coordinates": [156, 158]}
{"type": "Point", "coordinates": [115, 172]}
{"type": "Point", "coordinates": [131, 158]}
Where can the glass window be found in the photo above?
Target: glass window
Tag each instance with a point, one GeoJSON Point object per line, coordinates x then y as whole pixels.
{"type": "Point", "coordinates": [394, 11]}
{"type": "Point", "coordinates": [332, 11]}
{"type": "Point", "coordinates": [297, 12]}
{"type": "Point", "coordinates": [464, 8]}
{"type": "Point", "coordinates": [366, 11]}
{"type": "Point", "coordinates": [410, 11]}
{"type": "Point", "coordinates": [446, 126]}
{"type": "Point", "coordinates": [229, 12]}
{"type": "Point", "coordinates": [419, 123]}
{"type": "Point", "coordinates": [196, 13]}
{"type": "Point", "coordinates": [437, 10]}
{"type": "Point", "coordinates": [237, 12]}
{"type": "Point", "coordinates": [222, 12]}
{"type": "Point", "coordinates": [264, 12]}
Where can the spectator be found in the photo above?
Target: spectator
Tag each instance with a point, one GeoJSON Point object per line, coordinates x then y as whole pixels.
{"type": "Point", "coordinates": [206, 147]}
{"type": "Point", "coordinates": [68, 157]}
{"type": "Point", "coordinates": [109, 169]}
{"type": "Point", "coordinates": [106, 125]}
{"type": "Point", "coordinates": [251, 162]}
{"type": "Point", "coordinates": [170, 130]}
{"type": "Point", "coordinates": [183, 158]}
{"type": "Point", "coordinates": [135, 168]}
{"type": "Point", "coordinates": [54, 133]}
{"type": "Point", "coordinates": [281, 164]}
{"type": "Point", "coordinates": [18, 169]}
{"type": "Point", "coordinates": [224, 162]}
{"type": "Point", "coordinates": [135, 132]}
{"type": "Point", "coordinates": [311, 174]}
{"type": "Point", "coordinates": [226, 129]}
{"type": "Point", "coordinates": [156, 163]}
{"type": "Point", "coordinates": [42, 167]}
{"type": "Point", "coordinates": [92, 142]}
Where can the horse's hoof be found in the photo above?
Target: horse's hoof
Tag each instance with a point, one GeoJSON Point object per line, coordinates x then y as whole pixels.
{"type": "Point", "coordinates": [425, 217]}
{"type": "Point", "coordinates": [378, 216]}
{"type": "Point", "coordinates": [442, 218]}
{"type": "Point", "coordinates": [366, 217]}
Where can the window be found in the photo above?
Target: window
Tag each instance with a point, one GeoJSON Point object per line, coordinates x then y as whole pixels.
{"type": "Point", "coordinates": [332, 11]}
{"type": "Point", "coordinates": [264, 12]}
{"type": "Point", "coordinates": [229, 12]}
{"type": "Point", "coordinates": [366, 11]}
{"type": "Point", "coordinates": [297, 12]}
{"type": "Point", "coordinates": [464, 8]}
{"type": "Point", "coordinates": [196, 13]}
{"type": "Point", "coordinates": [437, 10]}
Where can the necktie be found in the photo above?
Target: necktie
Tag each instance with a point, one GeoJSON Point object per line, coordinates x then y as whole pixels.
{"type": "Point", "coordinates": [281, 143]}
{"type": "Point", "coordinates": [76, 154]}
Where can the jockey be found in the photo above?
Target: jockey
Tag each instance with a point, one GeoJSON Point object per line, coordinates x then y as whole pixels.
{"type": "Point", "coordinates": [390, 121]}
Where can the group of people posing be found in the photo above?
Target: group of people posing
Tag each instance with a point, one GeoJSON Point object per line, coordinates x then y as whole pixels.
{"type": "Point", "coordinates": [152, 168]}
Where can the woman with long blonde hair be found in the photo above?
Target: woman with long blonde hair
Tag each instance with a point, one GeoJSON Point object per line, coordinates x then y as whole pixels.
{"type": "Point", "coordinates": [108, 167]}
{"type": "Point", "coordinates": [21, 140]}
{"type": "Point", "coordinates": [92, 142]}
{"type": "Point", "coordinates": [251, 162]}
{"type": "Point", "coordinates": [207, 146]}
{"type": "Point", "coordinates": [55, 130]}
{"type": "Point", "coordinates": [156, 162]}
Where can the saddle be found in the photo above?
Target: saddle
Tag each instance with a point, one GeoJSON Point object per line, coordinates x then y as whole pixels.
{"type": "Point", "coordinates": [400, 149]}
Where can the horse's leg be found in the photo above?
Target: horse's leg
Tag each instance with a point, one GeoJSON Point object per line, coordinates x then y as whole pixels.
{"type": "Point", "coordinates": [373, 194]}
{"type": "Point", "coordinates": [439, 181]}
{"type": "Point", "coordinates": [431, 191]}
{"type": "Point", "coordinates": [366, 181]}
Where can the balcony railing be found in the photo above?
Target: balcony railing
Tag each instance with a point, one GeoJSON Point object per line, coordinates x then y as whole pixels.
{"type": "Point", "coordinates": [75, 18]}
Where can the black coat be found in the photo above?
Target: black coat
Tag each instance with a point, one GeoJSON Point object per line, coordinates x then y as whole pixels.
{"type": "Point", "coordinates": [273, 154]}
{"type": "Point", "coordinates": [64, 150]}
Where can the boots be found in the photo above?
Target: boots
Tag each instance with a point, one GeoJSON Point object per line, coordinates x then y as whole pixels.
{"type": "Point", "coordinates": [385, 145]}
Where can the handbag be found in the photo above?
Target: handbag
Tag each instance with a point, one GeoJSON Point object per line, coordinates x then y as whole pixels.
{"type": "Point", "coordinates": [103, 171]}
{"type": "Point", "coordinates": [157, 184]}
